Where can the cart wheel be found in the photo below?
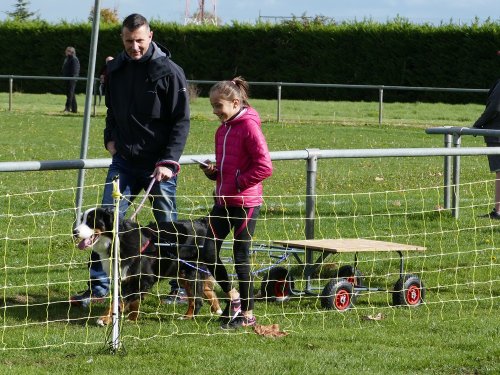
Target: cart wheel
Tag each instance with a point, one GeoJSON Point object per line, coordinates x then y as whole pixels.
{"type": "Point", "coordinates": [277, 284]}
{"type": "Point", "coordinates": [408, 290]}
{"type": "Point", "coordinates": [337, 294]}
{"type": "Point", "coordinates": [354, 277]}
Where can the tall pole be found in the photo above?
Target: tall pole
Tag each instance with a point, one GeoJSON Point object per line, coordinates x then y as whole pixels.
{"type": "Point", "coordinates": [115, 315]}
{"type": "Point", "coordinates": [88, 105]}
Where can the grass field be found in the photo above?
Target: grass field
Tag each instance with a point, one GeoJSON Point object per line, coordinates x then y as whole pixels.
{"type": "Point", "coordinates": [456, 331]}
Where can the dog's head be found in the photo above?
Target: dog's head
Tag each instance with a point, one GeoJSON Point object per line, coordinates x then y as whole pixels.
{"type": "Point", "coordinates": [95, 222]}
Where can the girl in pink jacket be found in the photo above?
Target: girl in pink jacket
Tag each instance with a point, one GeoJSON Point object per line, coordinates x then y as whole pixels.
{"type": "Point", "coordinates": [242, 163]}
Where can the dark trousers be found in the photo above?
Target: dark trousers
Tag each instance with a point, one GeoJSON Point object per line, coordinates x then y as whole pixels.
{"type": "Point", "coordinates": [70, 97]}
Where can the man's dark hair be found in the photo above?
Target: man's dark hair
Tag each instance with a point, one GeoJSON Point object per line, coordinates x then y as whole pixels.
{"type": "Point", "coordinates": [134, 21]}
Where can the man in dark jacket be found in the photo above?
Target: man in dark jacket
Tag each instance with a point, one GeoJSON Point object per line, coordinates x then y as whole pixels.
{"type": "Point", "coordinates": [147, 125]}
{"type": "Point", "coordinates": [490, 119]}
{"type": "Point", "coordinates": [71, 68]}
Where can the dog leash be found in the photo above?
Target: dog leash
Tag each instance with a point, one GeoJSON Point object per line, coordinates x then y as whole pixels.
{"type": "Point", "coordinates": [193, 264]}
{"type": "Point", "coordinates": [148, 190]}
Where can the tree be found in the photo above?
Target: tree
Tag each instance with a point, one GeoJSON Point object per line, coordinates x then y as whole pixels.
{"type": "Point", "coordinates": [107, 15]}
{"type": "Point", "coordinates": [21, 12]}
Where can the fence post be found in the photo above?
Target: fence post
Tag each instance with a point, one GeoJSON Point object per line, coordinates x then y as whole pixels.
{"type": "Point", "coordinates": [11, 88]}
{"type": "Point", "coordinates": [88, 102]}
{"type": "Point", "coordinates": [278, 116]}
{"type": "Point", "coordinates": [312, 169]}
{"type": "Point", "coordinates": [95, 97]}
{"type": "Point", "coordinates": [447, 174]}
{"type": "Point", "coordinates": [380, 104]}
{"type": "Point", "coordinates": [457, 140]}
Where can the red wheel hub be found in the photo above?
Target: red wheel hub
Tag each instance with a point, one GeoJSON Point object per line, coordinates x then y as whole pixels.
{"type": "Point", "coordinates": [413, 295]}
{"type": "Point", "coordinates": [342, 300]}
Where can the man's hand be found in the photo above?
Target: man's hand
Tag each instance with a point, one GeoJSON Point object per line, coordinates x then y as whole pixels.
{"type": "Point", "coordinates": [110, 146]}
{"type": "Point", "coordinates": [162, 173]}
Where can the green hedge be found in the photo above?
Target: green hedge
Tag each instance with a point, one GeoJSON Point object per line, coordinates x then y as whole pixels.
{"type": "Point", "coordinates": [395, 53]}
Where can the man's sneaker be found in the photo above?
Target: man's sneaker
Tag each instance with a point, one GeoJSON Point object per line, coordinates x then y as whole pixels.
{"type": "Point", "coordinates": [84, 299]}
{"type": "Point", "coordinates": [238, 322]}
{"type": "Point", "coordinates": [231, 311]}
{"type": "Point", "coordinates": [494, 215]}
{"type": "Point", "coordinates": [177, 296]}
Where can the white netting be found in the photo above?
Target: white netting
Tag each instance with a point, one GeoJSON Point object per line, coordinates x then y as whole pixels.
{"type": "Point", "coordinates": [41, 267]}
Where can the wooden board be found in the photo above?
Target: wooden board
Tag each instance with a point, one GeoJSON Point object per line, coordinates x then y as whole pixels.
{"type": "Point", "coordinates": [348, 245]}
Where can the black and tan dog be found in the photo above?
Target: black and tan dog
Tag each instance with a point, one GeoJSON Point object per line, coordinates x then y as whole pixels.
{"type": "Point", "coordinates": [148, 254]}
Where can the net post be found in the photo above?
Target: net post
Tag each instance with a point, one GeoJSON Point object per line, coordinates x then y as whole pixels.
{"type": "Point", "coordinates": [115, 318]}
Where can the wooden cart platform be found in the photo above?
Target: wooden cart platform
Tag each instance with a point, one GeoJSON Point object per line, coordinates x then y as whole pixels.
{"type": "Point", "coordinates": [339, 293]}
{"type": "Point", "coordinates": [347, 245]}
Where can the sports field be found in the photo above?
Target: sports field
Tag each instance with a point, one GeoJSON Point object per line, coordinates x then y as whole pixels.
{"type": "Point", "coordinates": [455, 331]}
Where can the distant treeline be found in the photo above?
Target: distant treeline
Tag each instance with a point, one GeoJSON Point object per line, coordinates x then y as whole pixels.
{"type": "Point", "coordinates": [394, 53]}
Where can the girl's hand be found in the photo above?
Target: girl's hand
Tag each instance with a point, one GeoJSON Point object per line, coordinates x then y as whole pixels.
{"type": "Point", "coordinates": [210, 170]}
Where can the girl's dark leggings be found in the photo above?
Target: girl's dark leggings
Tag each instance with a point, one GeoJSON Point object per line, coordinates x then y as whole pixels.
{"type": "Point", "coordinates": [242, 220]}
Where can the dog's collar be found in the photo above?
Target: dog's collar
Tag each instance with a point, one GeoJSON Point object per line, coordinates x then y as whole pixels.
{"type": "Point", "coordinates": [145, 246]}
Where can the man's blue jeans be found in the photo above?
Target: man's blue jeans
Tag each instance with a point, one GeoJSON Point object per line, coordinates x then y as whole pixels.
{"type": "Point", "coordinates": [133, 179]}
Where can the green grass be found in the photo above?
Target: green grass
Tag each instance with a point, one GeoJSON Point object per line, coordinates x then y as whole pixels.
{"type": "Point", "coordinates": [393, 199]}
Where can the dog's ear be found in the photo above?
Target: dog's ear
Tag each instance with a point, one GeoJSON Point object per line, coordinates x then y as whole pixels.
{"type": "Point", "coordinates": [152, 226]}
{"type": "Point", "coordinates": [150, 231]}
{"type": "Point", "coordinates": [109, 210]}
{"type": "Point", "coordinates": [109, 214]}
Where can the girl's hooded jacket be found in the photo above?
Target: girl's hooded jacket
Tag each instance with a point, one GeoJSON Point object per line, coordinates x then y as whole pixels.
{"type": "Point", "coordinates": [242, 160]}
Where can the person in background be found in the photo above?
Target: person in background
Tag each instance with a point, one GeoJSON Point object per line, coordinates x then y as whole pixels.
{"type": "Point", "coordinates": [242, 163]}
{"type": "Point", "coordinates": [490, 119]}
{"type": "Point", "coordinates": [71, 68]}
{"type": "Point", "coordinates": [102, 78]}
{"type": "Point", "coordinates": [147, 125]}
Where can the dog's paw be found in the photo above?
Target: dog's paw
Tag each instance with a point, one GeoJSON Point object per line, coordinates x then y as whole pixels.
{"type": "Point", "coordinates": [103, 321]}
{"type": "Point", "coordinates": [218, 312]}
{"type": "Point", "coordinates": [100, 322]}
{"type": "Point", "coordinates": [185, 317]}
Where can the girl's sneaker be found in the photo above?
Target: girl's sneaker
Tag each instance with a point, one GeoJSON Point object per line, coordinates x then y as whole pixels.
{"type": "Point", "coordinates": [239, 321]}
{"type": "Point", "coordinates": [231, 311]}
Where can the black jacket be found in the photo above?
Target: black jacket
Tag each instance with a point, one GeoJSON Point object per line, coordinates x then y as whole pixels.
{"type": "Point", "coordinates": [71, 66]}
{"type": "Point", "coordinates": [490, 118]}
{"type": "Point", "coordinates": [148, 107]}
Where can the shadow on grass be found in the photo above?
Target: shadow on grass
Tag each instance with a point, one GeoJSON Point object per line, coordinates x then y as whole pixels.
{"type": "Point", "coordinates": [36, 308]}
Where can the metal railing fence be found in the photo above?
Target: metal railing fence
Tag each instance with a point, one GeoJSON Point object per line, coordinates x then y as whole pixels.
{"type": "Point", "coordinates": [453, 138]}
{"type": "Point", "coordinates": [311, 156]}
{"type": "Point", "coordinates": [279, 88]}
